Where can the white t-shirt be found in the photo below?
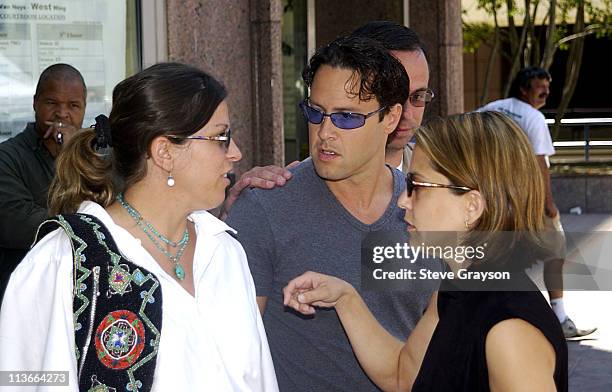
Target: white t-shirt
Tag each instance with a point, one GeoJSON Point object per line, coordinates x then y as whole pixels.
{"type": "Point", "coordinates": [214, 341]}
{"type": "Point", "coordinates": [531, 120]}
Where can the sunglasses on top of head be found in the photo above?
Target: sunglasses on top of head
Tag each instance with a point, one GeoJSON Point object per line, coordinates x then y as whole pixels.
{"type": "Point", "coordinates": [225, 137]}
{"type": "Point", "coordinates": [412, 184]}
{"type": "Point", "coordinates": [342, 120]}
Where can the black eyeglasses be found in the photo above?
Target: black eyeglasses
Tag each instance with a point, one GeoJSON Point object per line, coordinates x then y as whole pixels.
{"type": "Point", "coordinates": [421, 98]}
{"type": "Point", "coordinates": [225, 137]}
{"type": "Point", "coordinates": [411, 185]}
{"type": "Point", "coordinates": [343, 120]}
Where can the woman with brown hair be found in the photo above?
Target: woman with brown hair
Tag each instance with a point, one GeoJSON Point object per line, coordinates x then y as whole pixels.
{"type": "Point", "coordinates": [135, 286]}
{"type": "Point", "coordinates": [475, 175]}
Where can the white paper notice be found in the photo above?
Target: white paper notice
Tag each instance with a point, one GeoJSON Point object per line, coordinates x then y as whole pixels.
{"type": "Point", "coordinates": [89, 35]}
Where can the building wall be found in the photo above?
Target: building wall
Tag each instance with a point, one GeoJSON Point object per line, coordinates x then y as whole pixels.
{"type": "Point", "coordinates": [474, 70]}
{"type": "Point", "coordinates": [238, 42]}
{"type": "Point", "coordinates": [438, 23]}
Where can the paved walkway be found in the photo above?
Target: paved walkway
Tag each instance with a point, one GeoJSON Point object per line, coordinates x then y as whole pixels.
{"type": "Point", "coordinates": [590, 360]}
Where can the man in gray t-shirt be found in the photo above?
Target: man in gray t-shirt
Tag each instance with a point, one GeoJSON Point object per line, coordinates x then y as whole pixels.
{"type": "Point", "coordinates": [318, 220]}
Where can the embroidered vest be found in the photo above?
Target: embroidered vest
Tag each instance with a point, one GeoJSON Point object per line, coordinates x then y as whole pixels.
{"type": "Point", "coordinates": [117, 309]}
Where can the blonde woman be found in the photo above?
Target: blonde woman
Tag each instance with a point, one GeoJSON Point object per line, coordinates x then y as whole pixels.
{"type": "Point", "coordinates": [473, 173]}
{"type": "Point", "coordinates": [142, 289]}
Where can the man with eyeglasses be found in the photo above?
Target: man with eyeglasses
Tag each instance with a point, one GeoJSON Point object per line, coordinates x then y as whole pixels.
{"type": "Point", "coordinates": [405, 45]}
{"type": "Point", "coordinates": [528, 93]}
{"type": "Point", "coordinates": [317, 221]}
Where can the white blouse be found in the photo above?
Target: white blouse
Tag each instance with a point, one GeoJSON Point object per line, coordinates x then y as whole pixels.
{"type": "Point", "coordinates": [214, 341]}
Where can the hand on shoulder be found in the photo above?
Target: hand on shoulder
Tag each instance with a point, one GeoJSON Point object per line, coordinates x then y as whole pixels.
{"type": "Point", "coordinates": [264, 177]}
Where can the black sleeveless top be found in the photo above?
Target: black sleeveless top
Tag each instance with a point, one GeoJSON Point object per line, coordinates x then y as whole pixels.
{"type": "Point", "coordinates": [455, 359]}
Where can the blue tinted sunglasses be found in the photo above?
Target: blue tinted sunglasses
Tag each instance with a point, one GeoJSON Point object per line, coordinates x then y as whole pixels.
{"type": "Point", "coordinates": [342, 120]}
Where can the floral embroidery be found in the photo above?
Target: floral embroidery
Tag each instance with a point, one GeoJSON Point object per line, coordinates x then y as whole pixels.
{"type": "Point", "coordinates": [120, 339]}
{"type": "Point", "coordinates": [119, 280]}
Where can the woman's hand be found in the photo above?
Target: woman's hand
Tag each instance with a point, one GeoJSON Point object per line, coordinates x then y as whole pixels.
{"type": "Point", "coordinates": [377, 351]}
{"type": "Point", "coordinates": [313, 289]}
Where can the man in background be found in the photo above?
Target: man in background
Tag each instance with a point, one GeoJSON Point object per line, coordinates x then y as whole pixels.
{"type": "Point", "coordinates": [405, 45]}
{"type": "Point", "coordinates": [27, 161]}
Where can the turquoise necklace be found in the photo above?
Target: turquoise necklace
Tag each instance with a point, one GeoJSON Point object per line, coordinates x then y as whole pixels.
{"type": "Point", "coordinates": [155, 235]}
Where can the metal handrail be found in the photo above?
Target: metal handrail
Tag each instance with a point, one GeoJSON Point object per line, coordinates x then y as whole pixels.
{"type": "Point", "coordinates": [586, 124]}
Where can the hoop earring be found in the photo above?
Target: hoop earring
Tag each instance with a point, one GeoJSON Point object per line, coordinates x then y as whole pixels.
{"type": "Point", "coordinates": [170, 180]}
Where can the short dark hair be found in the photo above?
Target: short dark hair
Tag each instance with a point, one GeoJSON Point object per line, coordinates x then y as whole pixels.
{"type": "Point", "coordinates": [164, 99]}
{"type": "Point", "coordinates": [392, 36]}
{"type": "Point", "coordinates": [524, 77]}
{"type": "Point", "coordinates": [378, 73]}
{"type": "Point", "coordinates": [60, 71]}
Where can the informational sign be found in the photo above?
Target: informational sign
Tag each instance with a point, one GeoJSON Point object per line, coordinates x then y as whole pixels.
{"type": "Point", "coordinates": [89, 35]}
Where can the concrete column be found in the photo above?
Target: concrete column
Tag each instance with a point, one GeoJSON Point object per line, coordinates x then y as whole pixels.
{"type": "Point", "coordinates": [438, 23]}
{"type": "Point", "coordinates": [266, 74]}
{"type": "Point", "coordinates": [238, 42]}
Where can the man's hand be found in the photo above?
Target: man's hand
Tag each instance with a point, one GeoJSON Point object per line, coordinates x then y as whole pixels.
{"type": "Point", "coordinates": [59, 131]}
{"type": "Point", "coordinates": [266, 177]}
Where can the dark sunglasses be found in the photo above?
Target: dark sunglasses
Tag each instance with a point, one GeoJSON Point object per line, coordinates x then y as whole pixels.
{"type": "Point", "coordinates": [225, 137]}
{"type": "Point", "coordinates": [342, 120]}
{"type": "Point", "coordinates": [421, 98]}
{"type": "Point", "coordinates": [411, 185]}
